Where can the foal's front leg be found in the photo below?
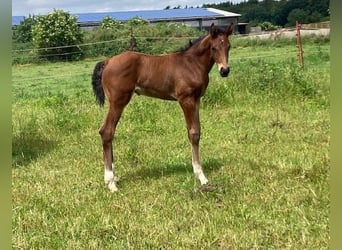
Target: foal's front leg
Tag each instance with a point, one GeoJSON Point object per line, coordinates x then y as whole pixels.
{"type": "Point", "coordinates": [190, 108]}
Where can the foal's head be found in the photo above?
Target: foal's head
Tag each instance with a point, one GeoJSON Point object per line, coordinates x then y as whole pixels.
{"type": "Point", "coordinates": [220, 47]}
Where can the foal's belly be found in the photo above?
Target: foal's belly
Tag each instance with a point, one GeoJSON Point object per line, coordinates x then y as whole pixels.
{"type": "Point", "coordinates": [153, 93]}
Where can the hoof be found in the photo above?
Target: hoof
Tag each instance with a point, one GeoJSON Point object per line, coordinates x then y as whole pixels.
{"type": "Point", "coordinates": [203, 179]}
{"type": "Point", "coordinates": [112, 186]}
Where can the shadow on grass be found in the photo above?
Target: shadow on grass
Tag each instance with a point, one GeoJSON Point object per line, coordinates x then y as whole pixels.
{"type": "Point", "coordinates": [160, 169]}
{"type": "Point", "coordinates": [27, 147]}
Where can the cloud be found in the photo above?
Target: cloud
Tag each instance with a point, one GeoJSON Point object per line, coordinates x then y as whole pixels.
{"type": "Point", "coordinates": [38, 7]}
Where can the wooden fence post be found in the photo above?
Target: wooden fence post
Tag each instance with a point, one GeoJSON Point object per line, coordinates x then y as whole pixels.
{"type": "Point", "coordinates": [132, 40]}
{"type": "Point", "coordinates": [299, 45]}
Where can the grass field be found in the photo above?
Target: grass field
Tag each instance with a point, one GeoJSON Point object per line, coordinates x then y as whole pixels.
{"type": "Point", "coordinates": [264, 148]}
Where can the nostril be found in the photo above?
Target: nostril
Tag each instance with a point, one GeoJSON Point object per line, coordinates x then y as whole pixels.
{"type": "Point", "coordinates": [224, 72]}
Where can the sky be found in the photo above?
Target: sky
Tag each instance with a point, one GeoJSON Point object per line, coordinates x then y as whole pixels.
{"type": "Point", "coordinates": [40, 7]}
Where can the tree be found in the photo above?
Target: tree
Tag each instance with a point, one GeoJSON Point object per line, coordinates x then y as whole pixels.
{"type": "Point", "coordinates": [267, 26]}
{"type": "Point", "coordinates": [55, 35]}
{"type": "Point", "coordinates": [320, 6]}
{"type": "Point", "coordinates": [23, 33]}
{"type": "Point", "coordinates": [257, 14]}
{"type": "Point", "coordinates": [109, 23]}
{"type": "Point", "coordinates": [136, 21]}
{"type": "Point", "coordinates": [280, 16]}
{"type": "Point", "coordinates": [300, 15]}
{"type": "Point", "coordinates": [315, 17]}
{"type": "Point", "coordinates": [276, 11]}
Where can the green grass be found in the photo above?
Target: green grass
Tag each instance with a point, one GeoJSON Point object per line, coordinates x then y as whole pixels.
{"type": "Point", "coordinates": [264, 148]}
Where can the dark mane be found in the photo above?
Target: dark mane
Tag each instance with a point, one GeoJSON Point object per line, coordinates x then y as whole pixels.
{"type": "Point", "coordinates": [190, 44]}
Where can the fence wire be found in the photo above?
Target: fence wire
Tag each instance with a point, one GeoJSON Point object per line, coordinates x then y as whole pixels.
{"type": "Point", "coordinates": [287, 54]}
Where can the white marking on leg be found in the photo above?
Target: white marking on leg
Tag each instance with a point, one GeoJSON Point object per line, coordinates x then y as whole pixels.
{"type": "Point", "coordinates": [199, 173]}
{"type": "Point", "coordinates": [108, 176]}
{"type": "Point", "coordinates": [110, 180]}
{"type": "Point", "coordinates": [197, 166]}
{"type": "Point", "coordinates": [202, 178]}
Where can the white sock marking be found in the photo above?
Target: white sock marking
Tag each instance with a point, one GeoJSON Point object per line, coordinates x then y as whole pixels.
{"type": "Point", "coordinates": [199, 173]}
{"type": "Point", "coordinates": [108, 176]}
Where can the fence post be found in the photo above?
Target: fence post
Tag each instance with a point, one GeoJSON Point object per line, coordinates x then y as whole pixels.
{"type": "Point", "coordinates": [299, 45]}
{"type": "Point", "coordinates": [132, 40]}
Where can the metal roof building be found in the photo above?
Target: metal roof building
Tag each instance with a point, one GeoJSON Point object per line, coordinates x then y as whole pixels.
{"type": "Point", "coordinates": [16, 20]}
{"type": "Point", "coordinates": [198, 17]}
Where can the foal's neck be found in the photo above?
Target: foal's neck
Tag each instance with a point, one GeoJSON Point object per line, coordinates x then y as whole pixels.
{"type": "Point", "coordinates": [201, 52]}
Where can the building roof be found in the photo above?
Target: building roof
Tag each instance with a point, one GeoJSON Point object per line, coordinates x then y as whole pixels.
{"type": "Point", "coordinates": [150, 15]}
{"type": "Point", "coordinates": [17, 19]}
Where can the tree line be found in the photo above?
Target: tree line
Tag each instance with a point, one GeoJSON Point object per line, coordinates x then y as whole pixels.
{"type": "Point", "coordinates": [282, 13]}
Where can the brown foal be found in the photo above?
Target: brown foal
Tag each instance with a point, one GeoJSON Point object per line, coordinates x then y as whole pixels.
{"type": "Point", "coordinates": [182, 76]}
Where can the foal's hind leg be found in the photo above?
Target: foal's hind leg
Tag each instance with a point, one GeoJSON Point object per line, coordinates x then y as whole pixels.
{"type": "Point", "coordinates": [107, 132]}
{"type": "Point", "coordinates": [190, 108]}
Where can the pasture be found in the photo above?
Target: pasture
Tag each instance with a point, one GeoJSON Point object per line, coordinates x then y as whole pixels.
{"type": "Point", "coordinates": [264, 149]}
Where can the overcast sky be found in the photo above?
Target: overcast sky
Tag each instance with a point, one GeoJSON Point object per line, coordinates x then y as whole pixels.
{"type": "Point", "coordinates": [38, 7]}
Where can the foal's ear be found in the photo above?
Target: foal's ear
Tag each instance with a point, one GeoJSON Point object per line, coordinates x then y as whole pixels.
{"type": "Point", "coordinates": [229, 29]}
{"type": "Point", "coordinates": [213, 30]}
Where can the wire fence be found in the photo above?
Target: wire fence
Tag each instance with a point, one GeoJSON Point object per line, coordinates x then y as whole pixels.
{"type": "Point", "coordinates": [104, 42]}
{"type": "Point", "coordinates": [93, 49]}
{"type": "Point", "coordinates": [30, 53]}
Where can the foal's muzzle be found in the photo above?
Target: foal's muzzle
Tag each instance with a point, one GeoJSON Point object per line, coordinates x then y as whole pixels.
{"type": "Point", "coordinates": [224, 72]}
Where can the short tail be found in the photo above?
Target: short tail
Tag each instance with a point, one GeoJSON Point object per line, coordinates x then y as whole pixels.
{"type": "Point", "coordinates": [97, 84]}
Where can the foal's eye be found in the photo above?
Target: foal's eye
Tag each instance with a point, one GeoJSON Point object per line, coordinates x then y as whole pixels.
{"type": "Point", "coordinates": [213, 48]}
